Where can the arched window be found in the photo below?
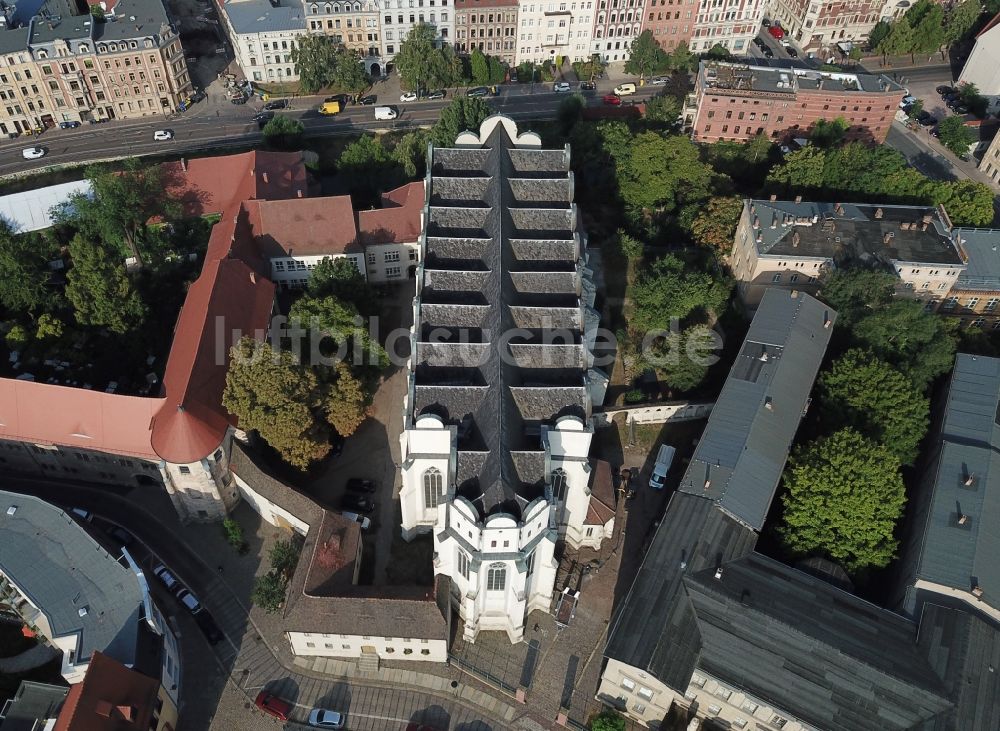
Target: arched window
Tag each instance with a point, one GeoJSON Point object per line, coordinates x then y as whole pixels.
{"type": "Point", "coordinates": [558, 480]}
{"type": "Point", "coordinates": [496, 579]}
{"type": "Point", "coordinates": [433, 482]}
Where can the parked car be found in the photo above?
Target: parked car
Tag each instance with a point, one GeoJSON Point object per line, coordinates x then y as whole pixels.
{"type": "Point", "coordinates": [357, 484]}
{"type": "Point", "coordinates": [408, 96]}
{"type": "Point", "coordinates": [206, 623]}
{"type": "Point", "coordinates": [68, 125]}
{"type": "Point", "coordinates": [368, 101]}
{"type": "Point", "coordinates": [162, 135]}
{"type": "Point", "coordinates": [664, 458]}
{"type": "Point", "coordinates": [82, 514]}
{"type": "Point", "coordinates": [166, 578]}
{"type": "Point", "coordinates": [277, 104]}
{"type": "Point", "coordinates": [341, 99]}
{"type": "Point", "coordinates": [613, 100]}
{"type": "Point", "coordinates": [791, 52]}
{"type": "Point", "coordinates": [120, 536]}
{"type": "Point", "coordinates": [478, 91]}
{"type": "Point", "coordinates": [907, 101]}
{"type": "Point", "coordinates": [189, 600]}
{"type": "Point", "coordinates": [625, 89]}
{"type": "Point", "coordinates": [366, 523]}
{"type": "Point", "coordinates": [925, 119]}
{"type": "Point", "coordinates": [561, 87]}
{"type": "Point", "coordinates": [33, 153]}
{"type": "Point", "coordinates": [768, 53]}
{"type": "Point", "coordinates": [241, 99]}
{"type": "Point", "coordinates": [658, 80]}
{"type": "Point", "coordinates": [264, 117]}
{"type": "Point", "coordinates": [386, 113]}
{"type": "Point", "coordinates": [198, 96]}
{"type": "Point", "coordinates": [321, 718]}
{"type": "Point", "coordinates": [438, 94]}
{"type": "Point", "coordinates": [272, 705]}
{"type": "Point", "coordinates": [960, 109]}
{"type": "Point", "coordinates": [945, 89]}
{"type": "Point", "coordinates": [360, 503]}
{"type": "Point", "coordinates": [588, 86]}
{"type": "Point", "coordinates": [776, 31]}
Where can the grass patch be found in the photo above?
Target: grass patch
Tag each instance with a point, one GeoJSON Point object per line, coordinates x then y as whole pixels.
{"type": "Point", "coordinates": [411, 563]}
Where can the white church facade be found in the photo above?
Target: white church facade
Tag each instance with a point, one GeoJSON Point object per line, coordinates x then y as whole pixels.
{"type": "Point", "coordinates": [497, 419]}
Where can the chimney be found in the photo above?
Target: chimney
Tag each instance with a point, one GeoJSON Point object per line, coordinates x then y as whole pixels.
{"type": "Point", "coordinates": [839, 209]}
{"type": "Point", "coordinates": [768, 403]}
{"type": "Point", "coordinates": [760, 237]}
{"type": "Point", "coordinates": [798, 199]}
{"type": "Point", "coordinates": [970, 480]}
{"type": "Point", "coordinates": [928, 218]}
{"type": "Point", "coordinates": [756, 221]}
{"type": "Point", "coordinates": [264, 176]}
{"type": "Point", "coordinates": [774, 197]}
{"type": "Point", "coordinates": [774, 221]}
{"type": "Point", "coordinates": [708, 484]}
{"type": "Point", "coordinates": [878, 213]}
{"type": "Point", "coordinates": [253, 278]}
{"type": "Point", "coordinates": [103, 708]}
{"type": "Point", "coordinates": [977, 591]}
{"type": "Point", "coordinates": [718, 573]}
{"type": "Point", "coordinates": [127, 712]}
{"type": "Point", "coordinates": [963, 519]}
{"type": "Point", "coordinates": [826, 320]}
{"type": "Point", "coordinates": [795, 239]}
{"type": "Point", "coordinates": [184, 165]}
{"type": "Point", "coordinates": [298, 194]}
{"type": "Point", "coordinates": [333, 543]}
{"type": "Point", "coordinates": [886, 239]}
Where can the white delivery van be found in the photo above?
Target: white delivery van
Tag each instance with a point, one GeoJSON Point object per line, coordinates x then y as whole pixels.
{"type": "Point", "coordinates": [625, 89]}
{"type": "Point", "coordinates": [664, 459]}
{"type": "Point", "coordinates": [385, 113]}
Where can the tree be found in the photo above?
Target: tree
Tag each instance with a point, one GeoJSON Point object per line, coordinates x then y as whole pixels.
{"type": "Point", "coordinates": [972, 99]}
{"type": "Point", "coordinates": [498, 72]}
{"type": "Point", "coordinates": [968, 203]}
{"type": "Point", "coordinates": [955, 135]}
{"type": "Point", "coordinates": [410, 153]}
{"type": "Point", "coordinates": [284, 131]}
{"type": "Point", "coordinates": [16, 338]}
{"type": "Point", "coordinates": [275, 396]}
{"type": "Point", "coordinates": [646, 56]}
{"type": "Point", "coordinates": [920, 344]}
{"type": "Point", "coordinates": [120, 205]}
{"type": "Point", "coordinates": [829, 132]}
{"type": "Point", "coordinates": [856, 292]}
{"type": "Point", "coordinates": [929, 32]}
{"type": "Point", "coordinates": [99, 288]}
{"type": "Point", "coordinates": [877, 36]}
{"type": "Point", "coordinates": [569, 111]}
{"type": "Point", "coordinates": [315, 59]}
{"type": "Point", "coordinates": [340, 321]}
{"type": "Point", "coordinates": [856, 53]}
{"type": "Point", "coordinates": [669, 290]}
{"type": "Point", "coordinates": [25, 284]}
{"type": "Point", "coordinates": [349, 72]}
{"type": "Point", "coordinates": [663, 172]}
{"type": "Point", "coordinates": [233, 532]}
{"type": "Point", "coordinates": [480, 67]}
{"type": "Point", "coordinates": [899, 40]}
{"type": "Point", "coordinates": [802, 169]}
{"type": "Point", "coordinates": [284, 557]}
{"type": "Point", "coordinates": [49, 327]}
{"type": "Point", "coordinates": [715, 224]}
{"type": "Point", "coordinates": [961, 20]}
{"type": "Point", "coordinates": [844, 496]}
{"type": "Point", "coordinates": [663, 108]}
{"type": "Point", "coordinates": [421, 64]}
{"type": "Point", "coordinates": [682, 59]}
{"type": "Point", "coordinates": [681, 359]}
{"type": "Point", "coordinates": [878, 401]}
{"type": "Point", "coordinates": [462, 113]}
{"type": "Point", "coordinates": [718, 52]}
{"type": "Point", "coordinates": [346, 401]}
{"type": "Point", "coordinates": [607, 721]}
{"type": "Point", "coordinates": [629, 246]}
{"type": "Point", "coordinates": [97, 13]}
{"type": "Point", "coordinates": [364, 164]}
{"type": "Point", "coordinates": [915, 110]}
{"type": "Point", "coordinates": [269, 592]}
{"type": "Point", "coordinates": [339, 277]}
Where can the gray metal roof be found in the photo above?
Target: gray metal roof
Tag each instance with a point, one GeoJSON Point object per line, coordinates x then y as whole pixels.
{"type": "Point", "coordinates": [33, 705]}
{"type": "Point", "coordinates": [59, 19]}
{"type": "Point", "coordinates": [749, 78]}
{"type": "Point", "coordinates": [966, 554]}
{"type": "Point", "coordinates": [982, 245]}
{"type": "Point", "coordinates": [62, 570]}
{"type": "Point", "coordinates": [805, 647]}
{"type": "Point", "coordinates": [134, 19]}
{"type": "Point", "coordinates": [742, 452]}
{"type": "Point", "coordinates": [502, 251]}
{"type": "Point", "coordinates": [853, 232]}
{"type": "Point", "coordinates": [260, 16]}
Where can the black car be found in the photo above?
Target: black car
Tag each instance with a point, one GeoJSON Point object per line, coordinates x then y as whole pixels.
{"type": "Point", "coordinates": [356, 484]}
{"type": "Point", "coordinates": [768, 53]}
{"type": "Point", "coordinates": [238, 100]}
{"type": "Point", "coordinates": [792, 52]}
{"type": "Point", "coordinates": [925, 119]}
{"type": "Point", "coordinates": [263, 117]}
{"type": "Point", "coordinates": [208, 627]}
{"type": "Point", "coordinates": [960, 109]}
{"type": "Point", "coordinates": [766, 23]}
{"type": "Point", "coordinates": [588, 86]}
{"type": "Point", "coordinates": [277, 104]}
{"type": "Point", "coordinates": [368, 101]}
{"type": "Point", "coordinates": [439, 94]}
{"type": "Point", "coordinates": [945, 89]}
{"type": "Point", "coordinates": [478, 91]}
{"type": "Point", "coordinates": [120, 536]}
{"type": "Point", "coordinates": [342, 99]}
{"type": "Point", "coordinates": [197, 96]}
{"type": "Point", "coordinates": [358, 503]}
{"type": "Point", "coordinates": [69, 125]}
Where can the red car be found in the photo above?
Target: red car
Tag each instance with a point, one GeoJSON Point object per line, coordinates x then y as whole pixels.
{"type": "Point", "coordinates": [272, 705]}
{"type": "Point", "coordinates": [612, 99]}
{"type": "Point", "coordinates": [777, 31]}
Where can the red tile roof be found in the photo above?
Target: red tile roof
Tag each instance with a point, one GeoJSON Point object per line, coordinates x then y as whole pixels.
{"type": "Point", "coordinates": [305, 226]}
{"type": "Point", "coordinates": [399, 220]}
{"type": "Point", "coordinates": [602, 495]}
{"type": "Point", "coordinates": [111, 697]}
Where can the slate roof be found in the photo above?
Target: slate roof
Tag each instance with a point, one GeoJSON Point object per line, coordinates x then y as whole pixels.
{"type": "Point", "coordinates": [805, 647]}
{"type": "Point", "coordinates": [62, 570]}
{"type": "Point", "coordinates": [150, 20]}
{"type": "Point", "coordinates": [502, 251]}
{"type": "Point", "coordinates": [260, 16]}
{"type": "Point", "coordinates": [982, 246]}
{"type": "Point", "coordinates": [966, 555]}
{"type": "Point", "coordinates": [854, 232]}
{"type": "Point", "coordinates": [32, 705]}
{"type": "Point", "coordinates": [742, 453]}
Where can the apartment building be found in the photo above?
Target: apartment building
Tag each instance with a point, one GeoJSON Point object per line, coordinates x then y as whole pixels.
{"type": "Point", "coordinates": [58, 65]}
{"type": "Point", "coordinates": [671, 22]}
{"type": "Point", "coordinates": [737, 101]}
{"type": "Point", "coordinates": [263, 34]}
{"type": "Point", "coordinates": [489, 25]}
{"type": "Point", "coordinates": [791, 244]}
{"type": "Point", "coordinates": [353, 23]}
{"type": "Point", "coordinates": [616, 24]}
{"type": "Point", "coordinates": [817, 25]}
{"type": "Point", "coordinates": [556, 28]}
{"type": "Point", "coordinates": [399, 17]}
{"type": "Point", "coordinates": [975, 296]}
{"type": "Point", "coordinates": [982, 67]}
{"type": "Point", "coordinates": [732, 24]}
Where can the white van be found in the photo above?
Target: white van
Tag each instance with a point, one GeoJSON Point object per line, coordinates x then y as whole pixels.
{"type": "Point", "coordinates": [625, 89]}
{"type": "Point", "coordinates": [664, 459]}
{"type": "Point", "coordinates": [385, 113]}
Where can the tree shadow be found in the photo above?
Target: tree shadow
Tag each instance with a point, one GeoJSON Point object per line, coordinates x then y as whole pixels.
{"type": "Point", "coordinates": [338, 698]}
{"type": "Point", "coordinates": [432, 718]}
{"type": "Point", "coordinates": [286, 688]}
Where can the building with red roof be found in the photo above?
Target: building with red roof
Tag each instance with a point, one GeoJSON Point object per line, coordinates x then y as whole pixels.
{"type": "Point", "coordinates": [271, 232]}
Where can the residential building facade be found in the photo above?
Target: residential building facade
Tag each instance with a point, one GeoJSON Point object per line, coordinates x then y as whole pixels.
{"type": "Point", "coordinates": [497, 496]}
{"type": "Point", "coordinates": [791, 244]}
{"type": "Point", "coordinates": [671, 22]}
{"type": "Point", "coordinates": [982, 67]}
{"type": "Point", "coordinates": [974, 298]}
{"type": "Point", "coordinates": [61, 66]}
{"type": "Point", "coordinates": [263, 34]}
{"type": "Point", "coordinates": [732, 25]}
{"type": "Point", "coordinates": [354, 23]}
{"type": "Point", "coordinates": [616, 24]}
{"type": "Point", "coordinates": [489, 25]}
{"type": "Point", "coordinates": [819, 25]}
{"type": "Point", "coordinates": [399, 17]}
{"type": "Point", "coordinates": [737, 101]}
{"type": "Point", "coordinates": [990, 162]}
{"type": "Point", "coordinates": [551, 28]}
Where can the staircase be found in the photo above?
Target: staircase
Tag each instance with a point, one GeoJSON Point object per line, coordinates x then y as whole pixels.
{"type": "Point", "coordinates": [368, 662]}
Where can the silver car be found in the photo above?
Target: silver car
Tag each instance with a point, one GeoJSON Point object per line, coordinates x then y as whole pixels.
{"type": "Point", "coordinates": [320, 718]}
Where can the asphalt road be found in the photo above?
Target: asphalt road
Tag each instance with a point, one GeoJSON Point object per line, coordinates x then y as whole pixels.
{"type": "Point", "coordinates": [231, 125]}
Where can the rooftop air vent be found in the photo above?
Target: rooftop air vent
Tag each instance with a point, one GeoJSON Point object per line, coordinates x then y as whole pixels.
{"type": "Point", "coordinates": [11, 510]}
{"type": "Point", "coordinates": [83, 611]}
